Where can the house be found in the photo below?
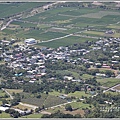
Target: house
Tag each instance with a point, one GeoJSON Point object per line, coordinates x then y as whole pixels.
{"type": "Point", "coordinates": [100, 74]}
{"type": "Point", "coordinates": [3, 108]}
{"type": "Point", "coordinates": [62, 96]}
{"type": "Point", "coordinates": [68, 77]}
{"type": "Point", "coordinates": [30, 41]}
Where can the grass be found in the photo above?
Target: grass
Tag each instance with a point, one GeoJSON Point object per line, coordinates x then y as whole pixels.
{"type": "Point", "coordinates": [10, 9]}
{"type": "Point", "coordinates": [112, 93]}
{"type": "Point", "coordinates": [2, 93]}
{"type": "Point", "coordinates": [66, 41]}
{"type": "Point", "coordinates": [14, 90]}
{"type": "Point", "coordinates": [108, 82]}
{"type": "Point", "coordinates": [81, 11]}
{"type": "Point", "coordinates": [86, 76]}
{"type": "Point", "coordinates": [79, 105]}
{"type": "Point", "coordinates": [35, 115]}
{"type": "Point", "coordinates": [52, 110]}
{"type": "Point", "coordinates": [94, 33]}
{"type": "Point", "coordinates": [55, 93]}
{"type": "Point", "coordinates": [100, 14]}
{"type": "Point", "coordinates": [5, 115]}
{"type": "Point", "coordinates": [22, 24]}
{"type": "Point", "coordinates": [22, 107]}
{"type": "Point", "coordinates": [79, 94]}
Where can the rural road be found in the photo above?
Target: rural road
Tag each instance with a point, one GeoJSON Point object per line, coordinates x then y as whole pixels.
{"type": "Point", "coordinates": [7, 93]}
{"type": "Point", "coordinates": [4, 26]}
{"type": "Point", "coordinates": [110, 88]}
{"type": "Point", "coordinates": [61, 104]}
{"type": "Point", "coordinates": [28, 105]}
{"type": "Point", "coordinates": [56, 38]}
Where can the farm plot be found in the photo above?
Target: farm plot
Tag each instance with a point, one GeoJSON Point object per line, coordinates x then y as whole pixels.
{"type": "Point", "coordinates": [77, 12]}
{"type": "Point", "coordinates": [46, 100]}
{"type": "Point", "coordinates": [10, 9]}
{"type": "Point", "coordinates": [24, 24]}
{"type": "Point", "coordinates": [49, 14]}
{"type": "Point", "coordinates": [108, 82]}
{"type": "Point", "coordinates": [65, 41]}
{"type": "Point", "coordinates": [100, 14]}
{"type": "Point", "coordinates": [53, 100]}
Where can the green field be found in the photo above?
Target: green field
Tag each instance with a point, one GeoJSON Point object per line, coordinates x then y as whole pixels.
{"type": "Point", "coordinates": [100, 14]}
{"type": "Point", "coordinates": [79, 94]}
{"type": "Point", "coordinates": [55, 93]}
{"type": "Point", "coordinates": [10, 9]}
{"type": "Point", "coordinates": [109, 82]}
{"type": "Point", "coordinates": [14, 90]}
{"type": "Point", "coordinates": [46, 100]}
{"type": "Point", "coordinates": [86, 76]}
{"type": "Point", "coordinates": [5, 115]}
{"type": "Point", "coordinates": [79, 105]}
{"type": "Point", "coordinates": [66, 41]}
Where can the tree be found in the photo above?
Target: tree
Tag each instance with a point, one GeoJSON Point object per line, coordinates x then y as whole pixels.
{"type": "Point", "coordinates": [68, 107]}
{"type": "Point", "coordinates": [0, 111]}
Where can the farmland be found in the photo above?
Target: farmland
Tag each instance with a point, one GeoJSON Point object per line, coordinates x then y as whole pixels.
{"type": "Point", "coordinates": [46, 100]}
{"type": "Point", "coordinates": [73, 19]}
{"type": "Point", "coordinates": [72, 59]}
{"type": "Point", "coordinates": [108, 82]}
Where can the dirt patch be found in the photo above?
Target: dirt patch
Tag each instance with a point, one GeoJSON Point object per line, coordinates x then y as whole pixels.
{"type": "Point", "coordinates": [117, 88]}
{"type": "Point", "coordinates": [45, 112]}
{"type": "Point", "coordinates": [97, 3]}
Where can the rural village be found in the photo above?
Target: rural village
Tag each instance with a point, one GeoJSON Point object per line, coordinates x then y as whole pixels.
{"type": "Point", "coordinates": [75, 80]}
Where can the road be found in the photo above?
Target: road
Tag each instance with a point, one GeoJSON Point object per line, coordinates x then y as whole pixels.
{"type": "Point", "coordinates": [61, 104]}
{"type": "Point", "coordinates": [7, 93]}
{"type": "Point", "coordinates": [28, 105]}
{"type": "Point", "coordinates": [4, 26]}
{"type": "Point", "coordinates": [110, 88]}
{"type": "Point", "coordinates": [56, 38]}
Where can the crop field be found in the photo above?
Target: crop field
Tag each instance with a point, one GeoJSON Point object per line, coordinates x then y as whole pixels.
{"type": "Point", "coordinates": [100, 14]}
{"type": "Point", "coordinates": [108, 82]}
{"type": "Point", "coordinates": [46, 100]}
{"type": "Point", "coordinates": [66, 41]}
{"type": "Point", "coordinates": [10, 9]}
{"type": "Point", "coordinates": [78, 12]}
{"type": "Point", "coordinates": [45, 25]}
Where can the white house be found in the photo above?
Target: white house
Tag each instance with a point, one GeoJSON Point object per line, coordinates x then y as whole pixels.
{"type": "Point", "coordinates": [30, 41]}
